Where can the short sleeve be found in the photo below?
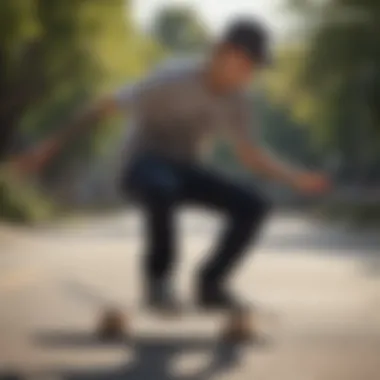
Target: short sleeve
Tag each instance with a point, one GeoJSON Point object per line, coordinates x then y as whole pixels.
{"type": "Point", "coordinates": [134, 93]}
{"type": "Point", "coordinates": [148, 90]}
{"type": "Point", "coordinates": [127, 95]}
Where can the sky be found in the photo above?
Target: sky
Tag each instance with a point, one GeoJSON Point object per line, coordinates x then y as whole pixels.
{"type": "Point", "coordinates": [216, 13]}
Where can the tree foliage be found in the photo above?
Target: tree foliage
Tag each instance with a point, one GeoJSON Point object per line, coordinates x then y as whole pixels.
{"type": "Point", "coordinates": [180, 29]}
{"type": "Point", "coordinates": [56, 54]}
{"type": "Point", "coordinates": [332, 81]}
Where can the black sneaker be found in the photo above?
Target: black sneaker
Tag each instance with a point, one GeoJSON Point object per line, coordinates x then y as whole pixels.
{"type": "Point", "coordinates": [160, 297]}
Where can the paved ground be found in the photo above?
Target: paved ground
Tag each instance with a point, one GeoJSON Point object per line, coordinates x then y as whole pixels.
{"type": "Point", "coordinates": [323, 286]}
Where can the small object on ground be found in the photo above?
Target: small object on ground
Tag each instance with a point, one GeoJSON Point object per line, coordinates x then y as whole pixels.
{"type": "Point", "coordinates": [113, 325]}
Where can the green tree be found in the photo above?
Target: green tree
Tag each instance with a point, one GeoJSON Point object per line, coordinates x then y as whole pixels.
{"type": "Point", "coordinates": [54, 57]}
{"type": "Point", "coordinates": [56, 54]}
{"type": "Point", "coordinates": [180, 29]}
{"type": "Point", "coordinates": [341, 75]}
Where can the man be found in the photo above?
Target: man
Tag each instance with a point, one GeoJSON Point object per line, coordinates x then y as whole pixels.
{"type": "Point", "coordinates": [176, 112]}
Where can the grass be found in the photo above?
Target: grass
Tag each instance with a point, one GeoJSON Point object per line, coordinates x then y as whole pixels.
{"type": "Point", "coordinates": [22, 202]}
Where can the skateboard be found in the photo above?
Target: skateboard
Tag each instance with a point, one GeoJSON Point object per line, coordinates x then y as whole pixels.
{"type": "Point", "coordinates": [237, 326]}
{"type": "Point", "coordinates": [115, 321]}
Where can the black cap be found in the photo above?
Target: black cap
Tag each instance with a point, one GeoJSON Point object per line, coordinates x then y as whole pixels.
{"type": "Point", "coordinates": [252, 37]}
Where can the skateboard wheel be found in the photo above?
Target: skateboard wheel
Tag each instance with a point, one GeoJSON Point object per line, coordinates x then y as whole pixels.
{"type": "Point", "coordinates": [239, 329]}
{"type": "Point", "coordinates": [112, 325]}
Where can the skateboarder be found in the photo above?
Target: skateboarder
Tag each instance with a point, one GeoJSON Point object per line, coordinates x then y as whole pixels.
{"type": "Point", "coordinates": [175, 112]}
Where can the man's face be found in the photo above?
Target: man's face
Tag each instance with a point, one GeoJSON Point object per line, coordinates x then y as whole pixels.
{"type": "Point", "coordinates": [235, 68]}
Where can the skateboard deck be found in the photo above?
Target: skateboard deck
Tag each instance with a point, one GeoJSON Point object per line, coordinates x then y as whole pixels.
{"type": "Point", "coordinates": [116, 319]}
{"type": "Point", "coordinates": [236, 325]}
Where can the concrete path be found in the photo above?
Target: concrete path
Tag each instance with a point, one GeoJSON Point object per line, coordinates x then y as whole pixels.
{"type": "Point", "coordinates": [321, 283]}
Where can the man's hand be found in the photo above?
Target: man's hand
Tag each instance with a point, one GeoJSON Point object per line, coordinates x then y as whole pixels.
{"type": "Point", "coordinates": [37, 158]}
{"type": "Point", "coordinates": [262, 162]}
{"type": "Point", "coordinates": [311, 183]}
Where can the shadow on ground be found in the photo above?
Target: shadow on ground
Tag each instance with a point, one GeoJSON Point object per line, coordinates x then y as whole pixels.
{"type": "Point", "coordinates": [153, 356]}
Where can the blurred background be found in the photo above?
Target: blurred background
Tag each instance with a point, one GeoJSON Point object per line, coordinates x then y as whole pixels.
{"type": "Point", "coordinates": [318, 106]}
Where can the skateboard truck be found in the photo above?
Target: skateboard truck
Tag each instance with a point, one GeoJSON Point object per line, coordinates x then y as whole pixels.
{"type": "Point", "coordinates": [112, 326]}
{"type": "Point", "coordinates": [238, 327]}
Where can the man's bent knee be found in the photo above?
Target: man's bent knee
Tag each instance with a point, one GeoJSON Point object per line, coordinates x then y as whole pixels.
{"type": "Point", "coordinates": [251, 208]}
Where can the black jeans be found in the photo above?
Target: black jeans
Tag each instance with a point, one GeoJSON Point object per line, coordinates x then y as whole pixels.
{"type": "Point", "coordinates": [161, 185]}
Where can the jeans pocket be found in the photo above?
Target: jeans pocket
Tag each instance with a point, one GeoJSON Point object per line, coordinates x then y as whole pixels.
{"type": "Point", "coordinates": [149, 175]}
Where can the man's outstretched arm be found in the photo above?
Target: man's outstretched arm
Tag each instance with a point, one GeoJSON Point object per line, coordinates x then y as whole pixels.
{"type": "Point", "coordinates": [261, 161]}
{"type": "Point", "coordinates": [40, 155]}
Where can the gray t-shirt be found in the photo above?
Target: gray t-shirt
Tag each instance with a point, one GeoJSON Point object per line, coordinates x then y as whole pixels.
{"type": "Point", "coordinates": [175, 115]}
